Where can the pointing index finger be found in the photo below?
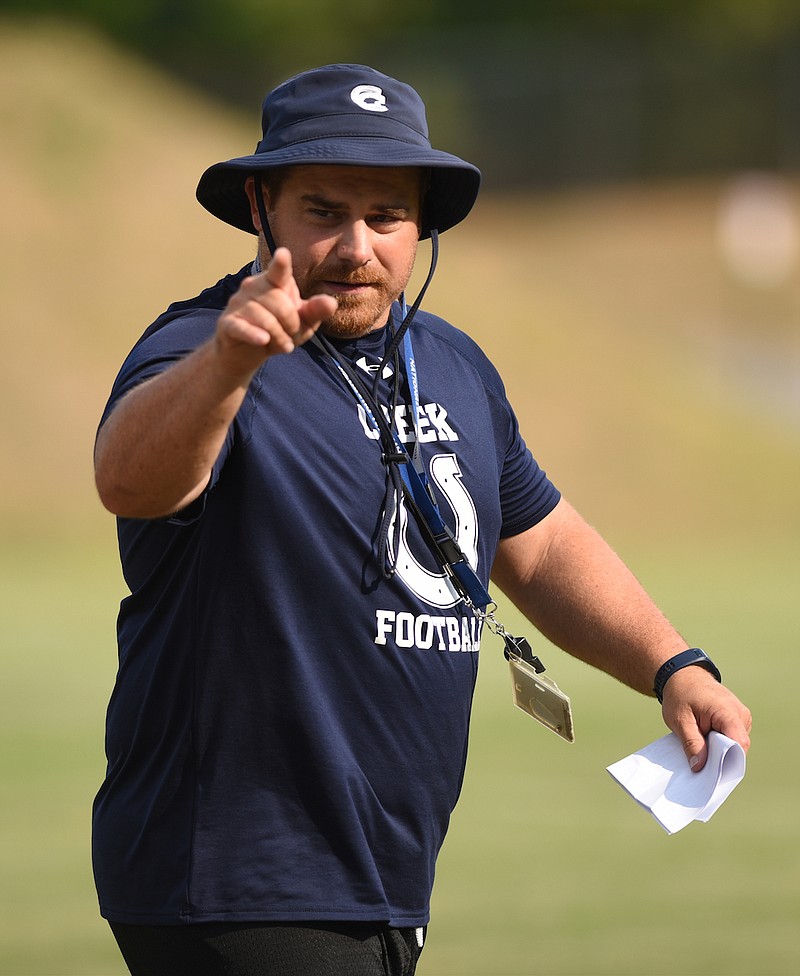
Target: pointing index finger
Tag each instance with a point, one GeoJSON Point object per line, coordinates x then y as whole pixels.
{"type": "Point", "coordinates": [279, 270]}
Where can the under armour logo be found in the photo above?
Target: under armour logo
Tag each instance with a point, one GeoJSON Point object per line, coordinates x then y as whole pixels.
{"type": "Point", "coordinates": [369, 97]}
{"type": "Point", "coordinates": [374, 367]}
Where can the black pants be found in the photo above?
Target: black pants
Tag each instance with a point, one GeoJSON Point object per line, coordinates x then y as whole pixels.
{"type": "Point", "coordinates": [269, 949]}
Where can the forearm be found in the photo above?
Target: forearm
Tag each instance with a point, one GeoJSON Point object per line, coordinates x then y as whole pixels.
{"type": "Point", "coordinates": [580, 595]}
{"type": "Point", "coordinates": [569, 582]}
{"type": "Point", "coordinates": [154, 454]}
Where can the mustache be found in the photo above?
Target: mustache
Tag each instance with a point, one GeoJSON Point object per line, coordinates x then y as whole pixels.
{"type": "Point", "coordinates": [347, 275]}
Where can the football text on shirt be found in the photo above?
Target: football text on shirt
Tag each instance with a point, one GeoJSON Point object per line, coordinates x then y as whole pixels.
{"type": "Point", "coordinates": [426, 632]}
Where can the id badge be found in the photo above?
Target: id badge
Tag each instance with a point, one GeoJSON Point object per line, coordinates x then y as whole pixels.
{"type": "Point", "coordinates": [541, 698]}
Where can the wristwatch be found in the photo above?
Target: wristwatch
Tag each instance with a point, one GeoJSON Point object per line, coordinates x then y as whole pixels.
{"type": "Point", "coordinates": [691, 656]}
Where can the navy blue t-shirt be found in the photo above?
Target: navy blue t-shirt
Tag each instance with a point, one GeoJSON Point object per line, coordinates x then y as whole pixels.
{"type": "Point", "coordinates": [287, 734]}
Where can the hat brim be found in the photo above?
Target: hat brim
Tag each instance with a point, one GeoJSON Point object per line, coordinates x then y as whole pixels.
{"type": "Point", "coordinates": [454, 183]}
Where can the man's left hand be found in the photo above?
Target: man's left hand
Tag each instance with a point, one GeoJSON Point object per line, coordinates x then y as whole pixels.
{"type": "Point", "coordinates": [695, 703]}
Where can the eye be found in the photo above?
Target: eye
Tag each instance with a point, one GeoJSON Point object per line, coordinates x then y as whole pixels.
{"type": "Point", "coordinates": [388, 219]}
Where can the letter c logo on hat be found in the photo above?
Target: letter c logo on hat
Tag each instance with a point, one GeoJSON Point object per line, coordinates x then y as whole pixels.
{"type": "Point", "coordinates": [369, 97]}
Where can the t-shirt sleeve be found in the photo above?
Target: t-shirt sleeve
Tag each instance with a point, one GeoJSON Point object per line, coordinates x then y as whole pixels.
{"type": "Point", "coordinates": [526, 493]}
{"type": "Point", "coordinates": [153, 354]}
{"type": "Point", "coordinates": [156, 351]}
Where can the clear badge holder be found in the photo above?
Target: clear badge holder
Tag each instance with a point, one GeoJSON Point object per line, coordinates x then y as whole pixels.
{"type": "Point", "coordinates": [533, 693]}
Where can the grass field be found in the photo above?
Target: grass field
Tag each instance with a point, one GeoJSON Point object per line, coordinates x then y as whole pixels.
{"type": "Point", "coordinates": [549, 867]}
{"type": "Point", "coordinates": [660, 393]}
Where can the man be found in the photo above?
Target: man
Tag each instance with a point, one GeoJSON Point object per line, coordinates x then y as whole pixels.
{"type": "Point", "coordinates": [313, 484]}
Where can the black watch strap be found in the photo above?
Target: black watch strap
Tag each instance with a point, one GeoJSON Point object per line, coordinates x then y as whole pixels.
{"type": "Point", "coordinates": [692, 656]}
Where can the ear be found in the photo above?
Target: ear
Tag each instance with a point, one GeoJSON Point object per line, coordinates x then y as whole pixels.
{"type": "Point", "coordinates": [250, 190]}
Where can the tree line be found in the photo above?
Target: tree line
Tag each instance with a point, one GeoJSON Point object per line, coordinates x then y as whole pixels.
{"type": "Point", "coordinates": [538, 92]}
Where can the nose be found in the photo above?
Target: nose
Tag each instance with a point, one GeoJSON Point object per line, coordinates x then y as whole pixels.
{"type": "Point", "coordinates": [355, 244]}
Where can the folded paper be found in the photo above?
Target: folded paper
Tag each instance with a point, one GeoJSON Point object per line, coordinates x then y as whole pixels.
{"type": "Point", "coordinates": [659, 778]}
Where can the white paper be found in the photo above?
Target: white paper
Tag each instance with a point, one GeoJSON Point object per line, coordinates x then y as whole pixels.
{"type": "Point", "coordinates": [659, 778]}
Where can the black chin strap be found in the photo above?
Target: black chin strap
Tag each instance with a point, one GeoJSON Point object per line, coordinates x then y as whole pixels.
{"type": "Point", "coordinates": [408, 315]}
{"type": "Point", "coordinates": [262, 213]}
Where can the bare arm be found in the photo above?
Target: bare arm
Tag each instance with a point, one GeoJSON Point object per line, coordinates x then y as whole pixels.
{"type": "Point", "coordinates": [156, 451]}
{"type": "Point", "coordinates": [566, 579]}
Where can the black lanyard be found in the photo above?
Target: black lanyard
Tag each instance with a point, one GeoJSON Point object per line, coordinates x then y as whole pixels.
{"type": "Point", "coordinates": [416, 487]}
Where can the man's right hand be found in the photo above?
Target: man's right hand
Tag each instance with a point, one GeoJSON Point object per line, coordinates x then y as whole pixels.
{"type": "Point", "coordinates": [155, 452]}
{"type": "Point", "coordinates": [267, 316]}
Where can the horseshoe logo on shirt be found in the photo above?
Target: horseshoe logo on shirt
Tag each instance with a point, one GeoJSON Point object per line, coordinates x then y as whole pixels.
{"type": "Point", "coordinates": [436, 588]}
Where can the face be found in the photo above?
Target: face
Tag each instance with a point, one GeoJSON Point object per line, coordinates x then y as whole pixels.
{"type": "Point", "coordinates": [353, 233]}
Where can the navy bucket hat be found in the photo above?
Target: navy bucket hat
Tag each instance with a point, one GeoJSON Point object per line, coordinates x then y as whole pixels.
{"type": "Point", "coordinates": [346, 115]}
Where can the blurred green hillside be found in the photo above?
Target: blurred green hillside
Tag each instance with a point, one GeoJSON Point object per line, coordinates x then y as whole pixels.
{"type": "Point", "coordinates": [656, 373]}
{"type": "Point", "coordinates": [660, 393]}
{"type": "Point", "coordinates": [551, 93]}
